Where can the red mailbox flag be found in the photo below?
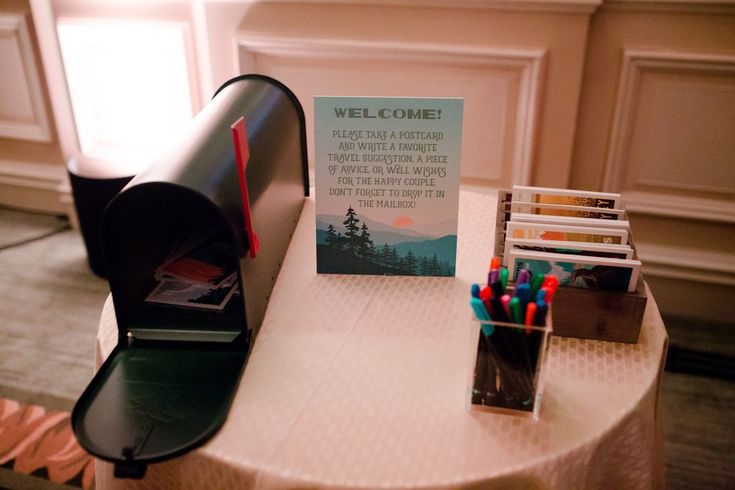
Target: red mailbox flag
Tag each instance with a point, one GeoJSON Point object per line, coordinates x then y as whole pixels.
{"type": "Point", "coordinates": [242, 153]}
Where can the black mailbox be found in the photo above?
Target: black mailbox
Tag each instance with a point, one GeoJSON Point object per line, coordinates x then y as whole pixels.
{"type": "Point", "coordinates": [193, 246]}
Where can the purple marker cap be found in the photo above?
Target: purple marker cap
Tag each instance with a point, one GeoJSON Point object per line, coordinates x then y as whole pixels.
{"type": "Point", "coordinates": [493, 277]}
{"type": "Point", "coordinates": [523, 276]}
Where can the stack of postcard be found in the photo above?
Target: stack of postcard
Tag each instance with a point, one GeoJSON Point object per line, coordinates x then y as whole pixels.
{"type": "Point", "coordinates": [580, 237]}
{"type": "Point", "coordinates": [199, 273]}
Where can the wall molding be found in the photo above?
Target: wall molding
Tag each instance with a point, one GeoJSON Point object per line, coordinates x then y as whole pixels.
{"type": "Point", "coordinates": [635, 63]}
{"type": "Point", "coordinates": [529, 63]}
{"type": "Point", "coordinates": [15, 28]}
{"type": "Point", "coordinates": [44, 176]}
{"type": "Point", "coordinates": [698, 7]}
{"type": "Point", "coordinates": [653, 203]}
{"type": "Point", "coordinates": [44, 21]}
{"type": "Point", "coordinates": [701, 266]}
{"type": "Point", "coordinates": [553, 6]}
{"type": "Point", "coordinates": [42, 186]}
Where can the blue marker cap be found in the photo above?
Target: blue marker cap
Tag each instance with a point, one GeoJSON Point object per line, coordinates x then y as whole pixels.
{"type": "Point", "coordinates": [475, 290]}
{"type": "Point", "coordinates": [523, 293]}
{"type": "Point", "coordinates": [540, 316]}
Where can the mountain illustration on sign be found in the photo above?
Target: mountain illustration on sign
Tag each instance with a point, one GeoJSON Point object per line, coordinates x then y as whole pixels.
{"type": "Point", "coordinates": [355, 244]}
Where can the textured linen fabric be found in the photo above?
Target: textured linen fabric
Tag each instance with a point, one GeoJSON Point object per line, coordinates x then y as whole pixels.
{"type": "Point", "coordinates": [361, 382]}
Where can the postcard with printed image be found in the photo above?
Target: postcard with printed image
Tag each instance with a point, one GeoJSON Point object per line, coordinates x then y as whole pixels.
{"type": "Point", "coordinates": [568, 197]}
{"type": "Point", "coordinates": [621, 224]}
{"type": "Point", "coordinates": [583, 272]}
{"type": "Point", "coordinates": [585, 234]}
{"type": "Point", "coordinates": [565, 210]}
{"type": "Point", "coordinates": [623, 252]}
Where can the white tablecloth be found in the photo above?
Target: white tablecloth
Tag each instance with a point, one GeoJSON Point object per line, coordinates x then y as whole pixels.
{"type": "Point", "coordinates": [360, 382]}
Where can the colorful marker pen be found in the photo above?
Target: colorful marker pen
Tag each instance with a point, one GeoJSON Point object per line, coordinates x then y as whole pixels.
{"type": "Point", "coordinates": [497, 287]}
{"type": "Point", "coordinates": [536, 283]}
{"type": "Point", "coordinates": [481, 313]}
{"type": "Point", "coordinates": [523, 276]}
{"type": "Point", "coordinates": [514, 306]}
{"type": "Point", "coordinates": [485, 295]}
{"type": "Point", "coordinates": [505, 301]}
{"type": "Point", "coordinates": [550, 281]}
{"type": "Point", "coordinates": [530, 314]}
{"type": "Point", "coordinates": [540, 317]}
{"type": "Point", "coordinates": [523, 293]}
{"type": "Point", "coordinates": [549, 293]}
{"type": "Point", "coordinates": [498, 311]}
{"type": "Point", "coordinates": [495, 263]}
{"type": "Point", "coordinates": [493, 277]}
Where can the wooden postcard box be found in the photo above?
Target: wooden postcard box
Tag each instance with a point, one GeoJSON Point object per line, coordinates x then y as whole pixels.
{"type": "Point", "coordinates": [600, 315]}
{"type": "Point", "coordinates": [586, 313]}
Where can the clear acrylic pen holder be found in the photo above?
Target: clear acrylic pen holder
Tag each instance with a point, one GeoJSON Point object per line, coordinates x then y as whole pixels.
{"type": "Point", "coordinates": [506, 374]}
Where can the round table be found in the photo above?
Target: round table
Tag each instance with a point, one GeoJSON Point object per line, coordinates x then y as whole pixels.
{"type": "Point", "coordinates": [360, 382]}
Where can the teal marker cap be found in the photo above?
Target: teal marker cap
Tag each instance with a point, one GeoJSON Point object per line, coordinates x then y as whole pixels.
{"type": "Point", "coordinates": [481, 313]}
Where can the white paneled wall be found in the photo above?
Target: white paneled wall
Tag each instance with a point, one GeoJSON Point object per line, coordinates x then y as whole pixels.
{"type": "Point", "coordinates": [501, 89]}
{"type": "Point", "coordinates": [29, 172]}
{"type": "Point", "coordinates": [674, 121]}
{"type": "Point", "coordinates": [656, 120]}
{"type": "Point", "coordinates": [23, 113]}
{"type": "Point", "coordinates": [635, 96]}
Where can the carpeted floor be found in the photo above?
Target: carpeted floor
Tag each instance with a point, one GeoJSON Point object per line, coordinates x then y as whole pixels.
{"type": "Point", "coordinates": [50, 304]}
{"type": "Point", "coordinates": [699, 431]}
{"type": "Point", "coordinates": [18, 228]}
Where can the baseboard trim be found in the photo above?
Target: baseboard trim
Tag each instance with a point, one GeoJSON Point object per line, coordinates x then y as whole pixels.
{"type": "Point", "coordinates": [35, 186]}
{"type": "Point", "coordinates": [709, 364]}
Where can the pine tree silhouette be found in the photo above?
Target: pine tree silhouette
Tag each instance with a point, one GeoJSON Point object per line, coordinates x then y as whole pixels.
{"type": "Point", "coordinates": [394, 260]}
{"type": "Point", "coordinates": [366, 244]}
{"type": "Point", "coordinates": [332, 239]}
{"type": "Point", "coordinates": [434, 266]}
{"type": "Point", "coordinates": [424, 266]}
{"type": "Point", "coordinates": [409, 263]}
{"type": "Point", "coordinates": [351, 228]}
{"type": "Point", "coordinates": [384, 254]}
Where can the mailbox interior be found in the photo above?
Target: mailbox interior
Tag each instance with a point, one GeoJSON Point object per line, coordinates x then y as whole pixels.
{"type": "Point", "coordinates": [144, 224]}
